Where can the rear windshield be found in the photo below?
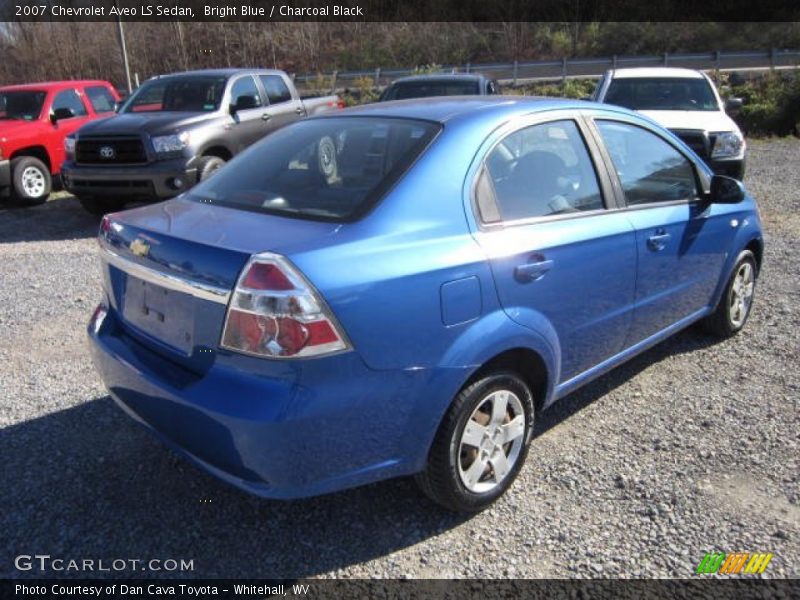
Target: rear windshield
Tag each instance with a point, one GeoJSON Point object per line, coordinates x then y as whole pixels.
{"type": "Point", "coordinates": [425, 89]}
{"type": "Point", "coordinates": [24, 106]}
{"type": "Point", "coordinates": [327, 169]}
{"type": "Point", "coordinates": [179, 94]}
{"type": "Point", "coordinates": [662, 93]}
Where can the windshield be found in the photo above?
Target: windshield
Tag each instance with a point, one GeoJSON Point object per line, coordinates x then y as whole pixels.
{"type": "Point", "coordinates": [426, 89]}
{"type": "Point", "coordinates": [327, 169]}
{"type": "Point", "coordinates": [177, 94]}
{"type": "Point", "coordinates": [26, 106]}
{"type": "Point", "coordinates": [662, 93]}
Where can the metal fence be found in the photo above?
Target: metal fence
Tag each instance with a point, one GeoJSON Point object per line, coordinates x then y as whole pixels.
{"type": "Point", "coordinates": [522, 72]}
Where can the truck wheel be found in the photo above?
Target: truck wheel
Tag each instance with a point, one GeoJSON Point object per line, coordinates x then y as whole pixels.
{"type": "Point", "coordinates": [481, 444]}
{"type": "Point", "coordinates": [207, 166]}
{"type": "Point", "coordinates": [31, 180]}
{"type": "Point", "coordinates": [100, 206]}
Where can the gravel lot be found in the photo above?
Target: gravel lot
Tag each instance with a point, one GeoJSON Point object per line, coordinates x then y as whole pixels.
{"type": "Point", "coordinates": [691, 447]}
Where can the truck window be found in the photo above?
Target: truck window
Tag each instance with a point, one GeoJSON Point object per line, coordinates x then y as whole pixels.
{"type": "Point", "coordinates": [101, 99]}
{"type": "Point", "coordinates": [181, 93]}
{"type": "Point", "coordinates": [277, 91]}
{"type": "Point", "coordinates": [69, 99]}
{"type": "Point", "coordinates": [25, 106]}
{"type": "Point", "coordinates": [245, 93]}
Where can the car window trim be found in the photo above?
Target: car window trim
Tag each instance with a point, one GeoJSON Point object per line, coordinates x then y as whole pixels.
{"type": "Point", "coordinates": [612, 172]}
{"type": "Point", "coordinates": [605, 185]}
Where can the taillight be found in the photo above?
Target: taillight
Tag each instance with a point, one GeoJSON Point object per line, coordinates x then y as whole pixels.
{"type": "Point", "coordinates": [275, 313]}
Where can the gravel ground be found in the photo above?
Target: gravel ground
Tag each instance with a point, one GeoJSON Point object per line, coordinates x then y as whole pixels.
{"type": "Point", "coordinates": [692, 446]}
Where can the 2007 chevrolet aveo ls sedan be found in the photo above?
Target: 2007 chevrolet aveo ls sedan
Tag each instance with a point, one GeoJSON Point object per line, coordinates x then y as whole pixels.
{"type": "Point", "coordinates": [400, 289]}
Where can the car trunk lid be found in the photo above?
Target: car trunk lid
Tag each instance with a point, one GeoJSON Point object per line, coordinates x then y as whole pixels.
{"type": "Point", "coordinates": [169, 270]}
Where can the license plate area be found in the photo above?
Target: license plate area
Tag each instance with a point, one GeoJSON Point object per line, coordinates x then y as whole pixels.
{"type": "Point", "coordinates": [164, 314]}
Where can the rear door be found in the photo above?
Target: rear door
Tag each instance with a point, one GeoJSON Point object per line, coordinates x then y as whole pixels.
{"type": "Point", "coordinates": [681, 240]}
{"type": "Point", "coordinates": [560, 258]}
{"type": "Point", "coordinates": [283, 107]}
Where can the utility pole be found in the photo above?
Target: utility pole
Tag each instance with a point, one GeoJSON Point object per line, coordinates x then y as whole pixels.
{"type": "Point", "coordinates": [124, 50]}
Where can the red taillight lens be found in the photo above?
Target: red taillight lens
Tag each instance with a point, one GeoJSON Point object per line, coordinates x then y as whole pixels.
{"type": "Point", "coordinates": [265, 276]}
{"type": "Point", "coordinates": [274, 312]}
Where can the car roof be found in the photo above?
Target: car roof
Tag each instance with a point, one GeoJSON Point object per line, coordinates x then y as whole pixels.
{"type": "Point", "coordinates": [52, 85]}
{"type": "Point", "coordinates": [219, 72]}
{"type": "Point", "coordinates": [657, 72]}
{"type": "Point", "coordinates": [441, 77]}
{"type": "Point", "coordinates": [444, 109]}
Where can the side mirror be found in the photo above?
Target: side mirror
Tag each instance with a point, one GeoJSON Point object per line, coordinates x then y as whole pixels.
{"type": "Point", "coordinates": [726, 190]}
{"type": "Point", "coordinates": [734, 103]}
{"type": "Point", "coordinates": [243, 103]}
{"type": "Point", "coordinates": [60, 114]}
{"type": "Point", "coordinates": [117, 106]}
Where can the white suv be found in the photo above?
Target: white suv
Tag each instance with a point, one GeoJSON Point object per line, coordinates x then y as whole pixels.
{"type": "Point", "coordinates": [687, 103]}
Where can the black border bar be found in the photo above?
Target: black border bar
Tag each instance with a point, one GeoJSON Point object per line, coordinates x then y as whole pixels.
{"type": "Point", "coordinates": [399, 10]}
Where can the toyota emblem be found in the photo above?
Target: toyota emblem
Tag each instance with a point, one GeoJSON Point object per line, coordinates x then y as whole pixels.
{"type": "Point", "coordinates": [107, 152]}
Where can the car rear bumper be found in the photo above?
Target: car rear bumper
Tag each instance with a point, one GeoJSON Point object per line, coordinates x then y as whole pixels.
{"type": "Point", "coordinates": [730, 167]}
{"type": "Point", "coordinates": [5, 177]}
{"type": "Point", "coordinates": [307, 428]}
{"type": "Point", "coordinates": [152, 181]}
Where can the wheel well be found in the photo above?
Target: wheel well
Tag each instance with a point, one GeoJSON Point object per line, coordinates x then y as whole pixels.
{"type": "Point", "coordinates": [527, 363]}
{"type": "Point", "coordinates": [37, 152]}
{"type": "Point", "coordinates": [219, 152]}
{"type": "Point", "coordinates": [757, 248]}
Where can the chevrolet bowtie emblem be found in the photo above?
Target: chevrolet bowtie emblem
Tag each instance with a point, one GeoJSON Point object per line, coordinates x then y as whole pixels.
{"type": "Point", "coordinates": [139, 247]}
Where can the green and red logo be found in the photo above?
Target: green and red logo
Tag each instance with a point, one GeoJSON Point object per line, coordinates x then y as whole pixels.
{"type": "Point", "coordinates": [735, 563]}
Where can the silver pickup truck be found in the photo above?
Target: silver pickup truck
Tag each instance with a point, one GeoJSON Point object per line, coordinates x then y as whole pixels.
{"type": "Point", "coordinates": [176, 130]}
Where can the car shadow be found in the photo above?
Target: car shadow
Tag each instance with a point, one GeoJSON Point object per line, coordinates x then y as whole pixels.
{"type": "Point", "coordinates": [687, 341]}
{"type": "Point", "coordinates": [60, 218]}
{"type": "Point", "coordinates": [87, 482]}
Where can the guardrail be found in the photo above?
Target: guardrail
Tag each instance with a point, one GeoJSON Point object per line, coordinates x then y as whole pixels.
{"type": "Point", "coordinates": [522, 72]}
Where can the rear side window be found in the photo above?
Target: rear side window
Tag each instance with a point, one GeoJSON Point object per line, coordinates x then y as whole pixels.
{"type": "Point", "coordinates": [328, 169]}
{"type": "Point", "coordinates": [649, 169]}
{"type": "Point", "coordinates": [69, 99]}
{"type": "Point", "coordinates": [543, 170]}
{"type": "Point", "coordinates": [101, 99]}
{"type": "Point", "coordinates": [276, 89]}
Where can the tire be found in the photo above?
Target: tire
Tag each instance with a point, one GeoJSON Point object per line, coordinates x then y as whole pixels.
{"type": "Point", "coordinates": [461, 473]}
{"type": "Point", "coordinates": [100, 206]}
{"type": "Point", "coordinates": [31, 180]}
{"type": "Point", "coordinates": [734, 307]}
{"type": "Point", "coordinates": [326, 158]}
{"type": "Point", "coordinates": [207, 166]}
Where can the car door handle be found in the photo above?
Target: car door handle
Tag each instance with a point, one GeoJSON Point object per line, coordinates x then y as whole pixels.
{"type": "Point", "coordinates": [532, 271]}
{"type": "Point", "coordinates": [298, 111]}
{"type": "Point", "coordinates": [658, 241]}
{"type": "Point", "coordinates": [266, 117]}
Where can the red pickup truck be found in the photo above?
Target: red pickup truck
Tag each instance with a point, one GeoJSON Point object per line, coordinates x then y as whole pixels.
{"type": "Point", "coordinates": [34, 120]}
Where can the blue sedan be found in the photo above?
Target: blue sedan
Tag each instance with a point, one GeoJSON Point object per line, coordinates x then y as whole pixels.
{"type": "Point", "coordinates": [400, 289]}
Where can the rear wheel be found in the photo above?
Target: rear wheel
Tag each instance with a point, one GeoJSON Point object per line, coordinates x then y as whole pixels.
{"type": "Point", "coordinates": [734, 307]}
{"type": "Point", "coordinates": [481, 443]}
{"type": "Point", "coordinates": [31, 180]}
{"type": "Point", "coordinates": [100, 206]}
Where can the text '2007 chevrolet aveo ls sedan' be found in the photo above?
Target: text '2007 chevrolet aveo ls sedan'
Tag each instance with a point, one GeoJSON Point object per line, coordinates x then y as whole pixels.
{"type": "Point", "coordinates": [400, 288]}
